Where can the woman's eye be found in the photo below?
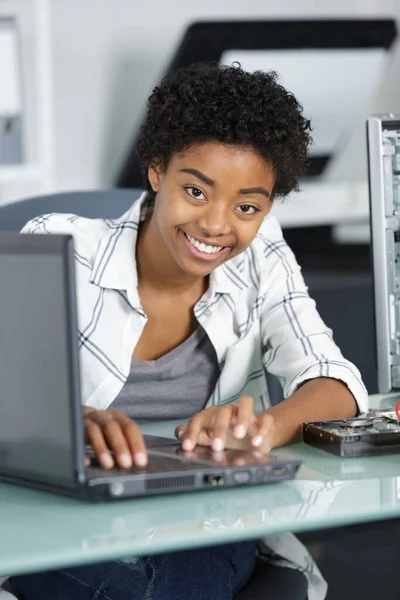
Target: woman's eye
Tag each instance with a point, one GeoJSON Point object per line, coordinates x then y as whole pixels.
{"type": "Point", "coordinates": [195, 192]}
{"type": "Point", "coordinates": [248, 209]}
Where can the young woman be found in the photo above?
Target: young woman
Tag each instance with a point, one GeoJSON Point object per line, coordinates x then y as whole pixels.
{"type": "Point", "coordinates": [184, 303]}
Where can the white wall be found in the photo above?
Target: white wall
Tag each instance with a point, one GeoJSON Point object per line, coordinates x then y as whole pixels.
{"type": "Point", "coordinates": [108, 54]}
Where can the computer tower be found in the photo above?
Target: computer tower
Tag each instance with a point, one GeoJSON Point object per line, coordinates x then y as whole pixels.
{"type": "Point", "coordinates": [383, 135]}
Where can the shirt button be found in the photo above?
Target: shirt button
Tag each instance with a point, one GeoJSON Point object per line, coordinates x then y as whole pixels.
{"type": "Point", "coordinates": [208, 313]}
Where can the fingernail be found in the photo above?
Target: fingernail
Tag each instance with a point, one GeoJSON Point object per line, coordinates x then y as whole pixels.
{"type": "Point", "coordinates": [125, 460]}
{"type": "Point", "coordinates": [187, 445]}
{"type": "Point", "coordinates": [240, 431]}
{"type": "Point", "coordinates": [217, 456]}
{"type": "Point", "coordinates": [140, 459]}
{"type": "Point", "coordinates": [257, 441]}
{"type": "Point", "coordinates": [179, 434]}
{"type": "Point", "coordinates": [218, 445]}
{"type": "Point", "coordinates": [106, 460]}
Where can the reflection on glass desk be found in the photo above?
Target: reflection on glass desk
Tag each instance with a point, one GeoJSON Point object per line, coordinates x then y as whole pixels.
{"type": "Point", "coordinates": [321, 465]}
{"type": "Point", "coordinates": [42, 531]}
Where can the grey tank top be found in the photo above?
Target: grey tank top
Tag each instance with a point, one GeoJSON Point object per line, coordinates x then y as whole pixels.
{"type": "Point", "coordinates": [174, 386]}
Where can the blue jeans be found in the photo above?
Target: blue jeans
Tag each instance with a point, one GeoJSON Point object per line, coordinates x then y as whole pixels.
{"type": "Point", "coordinates": [215, 573]}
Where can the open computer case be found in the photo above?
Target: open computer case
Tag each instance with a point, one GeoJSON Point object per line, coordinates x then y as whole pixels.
{"type": "Point", "coordinates": [383, 133]}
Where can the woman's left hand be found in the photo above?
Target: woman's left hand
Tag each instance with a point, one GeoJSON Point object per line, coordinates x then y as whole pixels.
{"type": "Point", "coordinates": [233, 425]}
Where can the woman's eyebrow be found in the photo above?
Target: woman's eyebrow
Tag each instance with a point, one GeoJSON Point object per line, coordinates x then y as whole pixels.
{"type": "Point", "coordinates": [200, 176]}
{"type": "Point", "coordinates": [255, 190]}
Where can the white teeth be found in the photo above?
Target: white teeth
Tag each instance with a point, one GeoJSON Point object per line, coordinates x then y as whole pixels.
{"type": "Point", "coordinates": [203, 247]}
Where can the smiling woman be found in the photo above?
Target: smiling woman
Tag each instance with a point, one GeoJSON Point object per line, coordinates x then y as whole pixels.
{"type": "Point", "coordinates": [210, 202]}
{"type": "Point", "coordinates": [188, 299]}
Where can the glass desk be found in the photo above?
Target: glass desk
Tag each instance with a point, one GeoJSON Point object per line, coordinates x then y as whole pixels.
{"type": "Point", "coordinates": [41, 531]}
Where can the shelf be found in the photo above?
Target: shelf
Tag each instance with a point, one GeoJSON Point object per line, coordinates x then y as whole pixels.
{"type": "Point", "coordinates": [324, 204]}
{"type": "Point", "coordinates": [38, 175]}
{"type": "Point", "coordinates": [13, 173]}
{"type": "Point", "coordinates": [20, 181]}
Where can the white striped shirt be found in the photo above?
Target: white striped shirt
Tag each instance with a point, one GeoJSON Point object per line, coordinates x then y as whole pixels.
{"type": "Point", "coordinates": [256, 312]}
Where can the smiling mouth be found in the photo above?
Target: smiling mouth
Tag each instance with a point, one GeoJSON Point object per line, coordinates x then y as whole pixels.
{"type": "Point", "coordinates": [202, 247]}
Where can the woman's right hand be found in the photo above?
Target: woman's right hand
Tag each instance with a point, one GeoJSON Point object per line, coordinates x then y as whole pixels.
{"type": "Point", "coordinates": [115, 439]}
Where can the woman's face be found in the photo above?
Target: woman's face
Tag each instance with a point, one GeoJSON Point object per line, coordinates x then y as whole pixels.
{"type": "Point", "coordinates": [210, 203]}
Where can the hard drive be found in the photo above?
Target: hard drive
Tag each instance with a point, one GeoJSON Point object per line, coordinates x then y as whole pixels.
{"type": "Point", "coordinates": [368, 435]}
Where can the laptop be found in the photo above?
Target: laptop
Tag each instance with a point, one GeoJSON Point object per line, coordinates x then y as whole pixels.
{"type": "Point", "coordinates": [42, 441]}
{"type": "Point", "coordinates": [383, 135]}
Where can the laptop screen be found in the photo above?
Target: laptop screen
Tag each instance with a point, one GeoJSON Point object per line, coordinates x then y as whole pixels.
{"type": "Point", "coordinates": [38, 374]}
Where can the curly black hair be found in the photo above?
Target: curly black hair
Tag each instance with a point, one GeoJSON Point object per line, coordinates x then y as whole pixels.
{"type": "Point", "coordinates": [208, 102]}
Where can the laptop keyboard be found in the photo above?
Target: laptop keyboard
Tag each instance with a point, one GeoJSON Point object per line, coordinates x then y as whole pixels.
{"type": "Point", "coordinates": [158, 463]}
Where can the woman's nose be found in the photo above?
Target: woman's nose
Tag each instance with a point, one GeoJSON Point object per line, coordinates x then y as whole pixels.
{"type": "Point", "coordinates": [214, 221]}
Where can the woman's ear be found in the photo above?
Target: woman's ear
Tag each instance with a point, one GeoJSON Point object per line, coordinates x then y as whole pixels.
{"type": "Point", "coordinates": [155, 174]}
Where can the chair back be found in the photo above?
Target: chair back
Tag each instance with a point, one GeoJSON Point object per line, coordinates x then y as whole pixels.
{"type": "Point", "coordinates": [105, 204]}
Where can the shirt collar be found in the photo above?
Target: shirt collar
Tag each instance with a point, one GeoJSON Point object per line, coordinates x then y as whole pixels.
{"type": "Point", "coordinates": [115, 262]}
